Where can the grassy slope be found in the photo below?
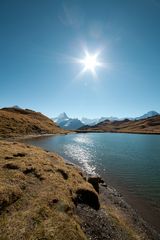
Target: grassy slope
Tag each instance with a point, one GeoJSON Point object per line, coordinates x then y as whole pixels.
{"type": "Point", "coordinates": [37, 194]}
{"type": "Point", "coordinates": [18, 122]}
{"type": "Point", "coordinates": [150, 125]}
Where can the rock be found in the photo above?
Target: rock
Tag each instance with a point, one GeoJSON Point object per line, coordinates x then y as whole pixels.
{"type": "Point", "coordinates": [104, 185]}
{"type": "Point", "coordinates": [95, 180]}
{"type": "Point", "coordinates": [95, 183]}
{"type": "Point", "coordinates": [88, 197]}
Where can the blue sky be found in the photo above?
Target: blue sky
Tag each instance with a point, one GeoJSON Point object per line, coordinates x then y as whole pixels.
{"type": "Point", "coordinates": [38, 39]}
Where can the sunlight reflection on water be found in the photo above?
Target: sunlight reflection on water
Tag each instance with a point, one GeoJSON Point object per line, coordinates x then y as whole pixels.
{"type": "Point", "coordinates": [83, 139]}
{"type": "Point", "coordinates": [81, 152]}
{"type": "Point", "coordinates": [82, 155]}
{"type": "Point", "coordinates": [131, 159]}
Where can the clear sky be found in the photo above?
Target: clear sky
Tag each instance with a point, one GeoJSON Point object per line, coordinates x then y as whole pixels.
{"type": "Point", "coordinates": [40, 38]}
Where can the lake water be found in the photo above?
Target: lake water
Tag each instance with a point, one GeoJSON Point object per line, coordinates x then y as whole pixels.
{"type": "Point", "coordinates": [130, 161]}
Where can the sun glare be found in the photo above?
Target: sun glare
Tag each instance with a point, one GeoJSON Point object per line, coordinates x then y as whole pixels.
{"type": "Point", "coordinates": [90, 62]}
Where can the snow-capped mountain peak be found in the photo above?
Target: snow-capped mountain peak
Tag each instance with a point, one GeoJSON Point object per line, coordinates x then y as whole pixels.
{"type": "Point", "coordinates": [61, 117]}
{"type": "Point", "coordinates": [68, 123]}
{"type": "Point", "coordinates": [147, 115]}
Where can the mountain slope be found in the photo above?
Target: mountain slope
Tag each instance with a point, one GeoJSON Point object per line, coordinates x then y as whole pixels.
{"type": "Point", "coordinates": [147, 115]}
{"type": "Point", "coordinates": [68, 123]}
{"type": "Point", "coordinates": [149, 125]}
{"type": "Point", "coordinates": [38, 194]}
{"type": "Point", "coordinates": [71, 124]}
{"type": "Point", "coordinates": [92, 122]}
{"type": "Point", "coordinates": [18, 122]}
{"type": "Point", "coordinates": [61, 117]}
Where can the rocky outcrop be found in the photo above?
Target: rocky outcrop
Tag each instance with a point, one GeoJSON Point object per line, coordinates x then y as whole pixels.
{"type": "Point", "coordinates": [87, 197]}
{"type": "Point", "coordinates": [95, 181]}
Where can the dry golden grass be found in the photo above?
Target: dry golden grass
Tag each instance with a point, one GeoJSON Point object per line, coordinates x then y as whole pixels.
{"type": "Point", "coordinates": [18, 122]}
{"type": "Point", "coordinates": [38, 193]}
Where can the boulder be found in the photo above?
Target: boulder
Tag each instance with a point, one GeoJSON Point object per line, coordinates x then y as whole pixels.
{"type": "Point", "coordinates": [95, 180]}
{"type": "Point", "coordinates": [88, 197]}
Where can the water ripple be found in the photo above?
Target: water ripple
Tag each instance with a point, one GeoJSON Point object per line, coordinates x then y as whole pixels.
{"type": "Point", "coordinates": [80, 155]}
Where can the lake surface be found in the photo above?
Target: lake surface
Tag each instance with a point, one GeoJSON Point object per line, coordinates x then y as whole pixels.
{"type": "Point", "coordinates": [130, 161]}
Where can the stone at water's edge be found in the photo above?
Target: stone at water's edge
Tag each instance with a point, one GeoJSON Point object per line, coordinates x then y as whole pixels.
{"type": "Point", "coordinates": [90, 198]}
{"type": "Point", "coordinates": [95, 180]}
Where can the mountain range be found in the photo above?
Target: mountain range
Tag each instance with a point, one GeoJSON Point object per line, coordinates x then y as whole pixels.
{"type": "Point", "coordinates": [15, 121]}
{"type": "Point", "coordinates": [67, 123]}
{"type": "Point", "coordinates": [150, 125]}
{"type": "Point", "coordinates": [74, 123]}
{"type": "Point", "coordinates": [147, 115]}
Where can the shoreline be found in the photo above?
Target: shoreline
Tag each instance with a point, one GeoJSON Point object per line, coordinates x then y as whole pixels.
{"type": "Point", "coordinates": [118, 206]}
{"type": "Point", "coordinates": [99, 131]}
{"type": "Point", "coordinates": [138, 203]}
{"type": "Point", "coordinates": [110, 197]}
{"type": "Point", "coordinates": [25, 137]}
{"type": "Point", "coordinates": [118, 203]}
{"type": "Point", "coordinates": [119, 196]}
{"type": "Point", "coordinates": [32, 136]}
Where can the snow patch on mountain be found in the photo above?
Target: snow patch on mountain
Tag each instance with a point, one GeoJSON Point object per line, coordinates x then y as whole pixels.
{"type": "Point", "coordinates": [147, 115]}
{"type": "Point", "coordinates": [68, 123]}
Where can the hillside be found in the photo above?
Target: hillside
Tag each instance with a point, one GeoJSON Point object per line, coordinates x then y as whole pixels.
{"type": "Point", "coordinates": [150, 125]}
{"type": "Point", "coordinates": [38, 193]}
{"type": "Point", "coordinates": [19, 122]}
{"type": "Point", "coordinates": [44, 197]}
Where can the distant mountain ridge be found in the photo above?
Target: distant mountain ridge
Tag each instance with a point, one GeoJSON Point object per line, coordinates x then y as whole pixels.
{"type": "Point", "coordinates": [74, 123]}
{"type": "Point", "coordinates": [150, 125]}
{"type": "Point", "coordinates": [147, 115]}
{"type": "Point", "coordinates": [67, 123]}
{"type": "Point", "coordinates": [92, 122]}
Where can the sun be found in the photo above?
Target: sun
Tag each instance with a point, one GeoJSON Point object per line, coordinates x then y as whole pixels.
{"type": "Point", "coordinates": [90, 62]}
